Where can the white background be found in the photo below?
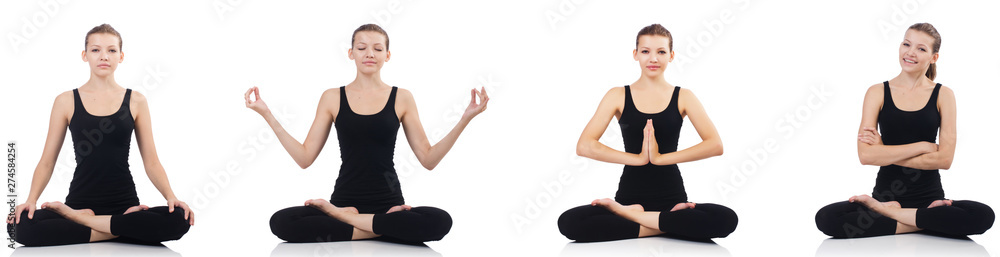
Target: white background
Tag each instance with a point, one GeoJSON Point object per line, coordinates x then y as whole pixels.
{"type": "Point", "coordinates": [791, 74]}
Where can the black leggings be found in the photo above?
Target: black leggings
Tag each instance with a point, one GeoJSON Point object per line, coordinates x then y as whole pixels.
{"type": "Point", "coordinates": [849, 220]}
{"type": "Point", "coordinates": [594, 223]}
{"type": "Point", "coordinates": [303, 224]}
{"type": "Point", "coordinates": [144, 227]}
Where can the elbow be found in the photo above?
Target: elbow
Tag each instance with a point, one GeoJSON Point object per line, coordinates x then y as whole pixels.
{"type": "Point", "coordinates": [583, 149]}
{"type": "Point", "coordinates": [717, 148]}
{"type": "Point", "coordinates": [428, 166]}
{"type": "Point", "coordinates": [867, 159]}
{"type": "Point", "coordinates": [303, 164]}
{"type": "Point", "coordinates": [945, 164]}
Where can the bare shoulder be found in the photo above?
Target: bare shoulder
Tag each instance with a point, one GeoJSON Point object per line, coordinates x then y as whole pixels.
{"type": "Point", "coordinates": [403, 94]}
{"type": "Point", "coordinates": [685, 93]}
{"type": "Point", "coordinates": [64, 99]}
{"type": "Point", "coordinates": [946, 92]}
{"type": "Point", "coordinates": [876, 91]}
{"type": "Point", "coordinates": [330, 94]}
{"type": "Point", "coordinates": [138, 98]}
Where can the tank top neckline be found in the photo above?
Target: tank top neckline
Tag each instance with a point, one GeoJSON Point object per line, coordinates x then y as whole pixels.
{"type": "Point", "coordinates": [79, 101]}
{"type": "Point", "coordinates": [631, 100]}
{"type": "Point", "coordinates": [392, 94]}
{"type": "Point", "coordinates": [891, 101]}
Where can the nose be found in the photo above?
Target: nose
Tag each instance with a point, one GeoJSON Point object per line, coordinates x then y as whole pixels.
{"type": "Point", "coordinates": [104, 56]}
{"type": "Point", "coordinates": [654, 59]}
{"type": "Point", "coordinates": [370, 53]}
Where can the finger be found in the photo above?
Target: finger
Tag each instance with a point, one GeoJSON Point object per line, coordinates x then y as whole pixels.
{"type": "Point", "coordinates": [247, 94]}
{"type": "Point", "coordinates": [187, 212]}
{"type": "Point", "coordinates": [191, 221]}
{"type": "Point", "coordinates": [256, 93]}
{"type": "Point", "coordinates": [31, 212]}
{"type": "Point", "coordinates": [170, 207]}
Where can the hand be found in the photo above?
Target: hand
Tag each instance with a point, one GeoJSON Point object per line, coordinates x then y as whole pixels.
{"type": "Point", "coordinates": [27, 206]}
{"type": "Point", "coordinates": [929, 147]}
{"type": "Point", "coordinates": [654, 148]}
{"type": "Point", "coordinates": [475, 109]}
{"type": "Point", "coordinates": [644, 152]}
{"type": "Point", "coordinates": [870, 136]}
{"type": "Point", "coordinates": [188, 214]}
{"type": "Point", "coordinates": [257, 105]}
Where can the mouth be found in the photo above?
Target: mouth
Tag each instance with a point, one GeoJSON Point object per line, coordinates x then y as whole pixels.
{"type": "Point", "coordinates": [368, 63]}
{"type": "Point", "coordinates": [653, 67]}
{"type": "Point", "coordinates": [910, 61]}
{"type": "Point", "coordinates": [104, 65]}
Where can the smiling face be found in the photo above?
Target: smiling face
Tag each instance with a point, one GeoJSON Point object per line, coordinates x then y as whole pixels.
{"type": "Point", "coordinates": [916, 52]}
{"type": "Point", "coordinates": [369, 51]}
{"type": "Point", "coordinates": [103, 53]}
{"type": "Point", "coordinates": [653, 53]}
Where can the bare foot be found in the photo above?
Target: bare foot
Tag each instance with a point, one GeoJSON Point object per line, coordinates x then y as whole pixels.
{"type": "Point", "coordinates": [66, 211]}
{"type": "Point", "coordinates": [329, 208]}
{"type": "Point", "coordinates": [883, 208]}
{"type": "Point", "coordinates": [616, 207]}
{"type": "Point", "coordinates": [136, 208]}
{"type": "Point", "coordinates": [681, 206]}
{"type": "Point", "coordinates": [940, 203]}
{"type": "Point", "coordinates": [399, 208]}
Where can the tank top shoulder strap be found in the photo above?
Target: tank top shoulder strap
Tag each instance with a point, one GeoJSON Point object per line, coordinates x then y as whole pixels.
{"type": "Point", "coordinates": [629, 104]}
{"type": "Point", "coordinates": [343, 99]}
{"type": "Point", "coordinates": [887, 95]}
{"type": "Point", "coordinates": [128, 96]}
{"type": "Point", "coordinates": [77, 103]}
{"type": "Point", "coordinates": [392, 99]}
{"type": "Point", "coordinates": [673, 98]}
{"type": "Point", "coordinates": [934, 96]}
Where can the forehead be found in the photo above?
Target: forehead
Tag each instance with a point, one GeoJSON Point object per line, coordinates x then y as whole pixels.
{"type": "Point", "coordinates": [369, 37]}
{"type": "Point", "coordinates": [102, 39]}
{"type": "Point", "coordinates": [653, 41]}
{"type": "Point", "coordinates": [918, 37]}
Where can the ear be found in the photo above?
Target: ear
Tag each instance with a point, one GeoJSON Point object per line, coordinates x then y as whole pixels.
{"type": "Point", "coordinates": [350, 53]}
{"type": "Point", "coordinates": [635, 54]}
{"type": "Point", "coordinates": [934, 58]}
{"type": "Point", "coordinates": [83, 55]}
{"type": "Point", "coordinates": [122, 59]}
{"type": "Point", "coordinates": [671, 56]}
{"type": "Point", "coordinates": [387, 55]}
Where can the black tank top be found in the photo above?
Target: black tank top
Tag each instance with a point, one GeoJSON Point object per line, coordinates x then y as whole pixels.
{"type": "Point", "coordinates": [102, 180]}
{"type": "Point", "coordinates": [654, 187]}
{"type": "Point", "coordinates": [367, 176]}
{"type": "Point", "coordinates": [913, 188]}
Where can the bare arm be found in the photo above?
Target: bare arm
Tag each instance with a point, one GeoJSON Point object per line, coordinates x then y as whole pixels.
{"type": "Point", "coordinates": [150, 160]}
{"type": "Point", "coordinates": [710, 145]}
{"type": "Point", "coordinates": [942, 158]}
{"type": "Point", "coordinates": [430, 155]}
{"type": "Point", "coordinates": [305, 153]}
{"type": "Point", "coordinates": [62, 111]}
{"type": "Point", "coordinates": [879, 154]}
{"type": "Point", "coordinates": [589, 145]}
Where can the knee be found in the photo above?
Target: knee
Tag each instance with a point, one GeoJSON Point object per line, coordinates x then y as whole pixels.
{"type": "Point", "coordinates": [981, 217]}
{"type": "Point", "coordinates": [569, 224]}
{"type": "Point", "coordinates": [826, 221]}
{"type": "Point", "coordinates": [277, 224]}
{"type": "Point", "coordinates": [437, 224]}
{"type": "Point", "coordinates": [728, 220]}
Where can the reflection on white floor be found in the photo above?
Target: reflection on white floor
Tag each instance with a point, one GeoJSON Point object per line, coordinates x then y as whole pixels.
{"type": "Point", "coordinates": [649, 246]}
{"type": "Point", "coordinates": [96, 249]}
{"type": "Point", "coordinates": [352, 248]}
{"type": "Point", "coordinates": [901, 245]}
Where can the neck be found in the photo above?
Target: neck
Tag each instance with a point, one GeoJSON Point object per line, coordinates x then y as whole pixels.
{"type": "Point", "coordinates": [101, 83]}
{"type": "Point", "coordinates": [652, 81]}
{"type": "Point", "coordinates": [910, 80]}
{"type": "Point", "coordinates": [367, 81]}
